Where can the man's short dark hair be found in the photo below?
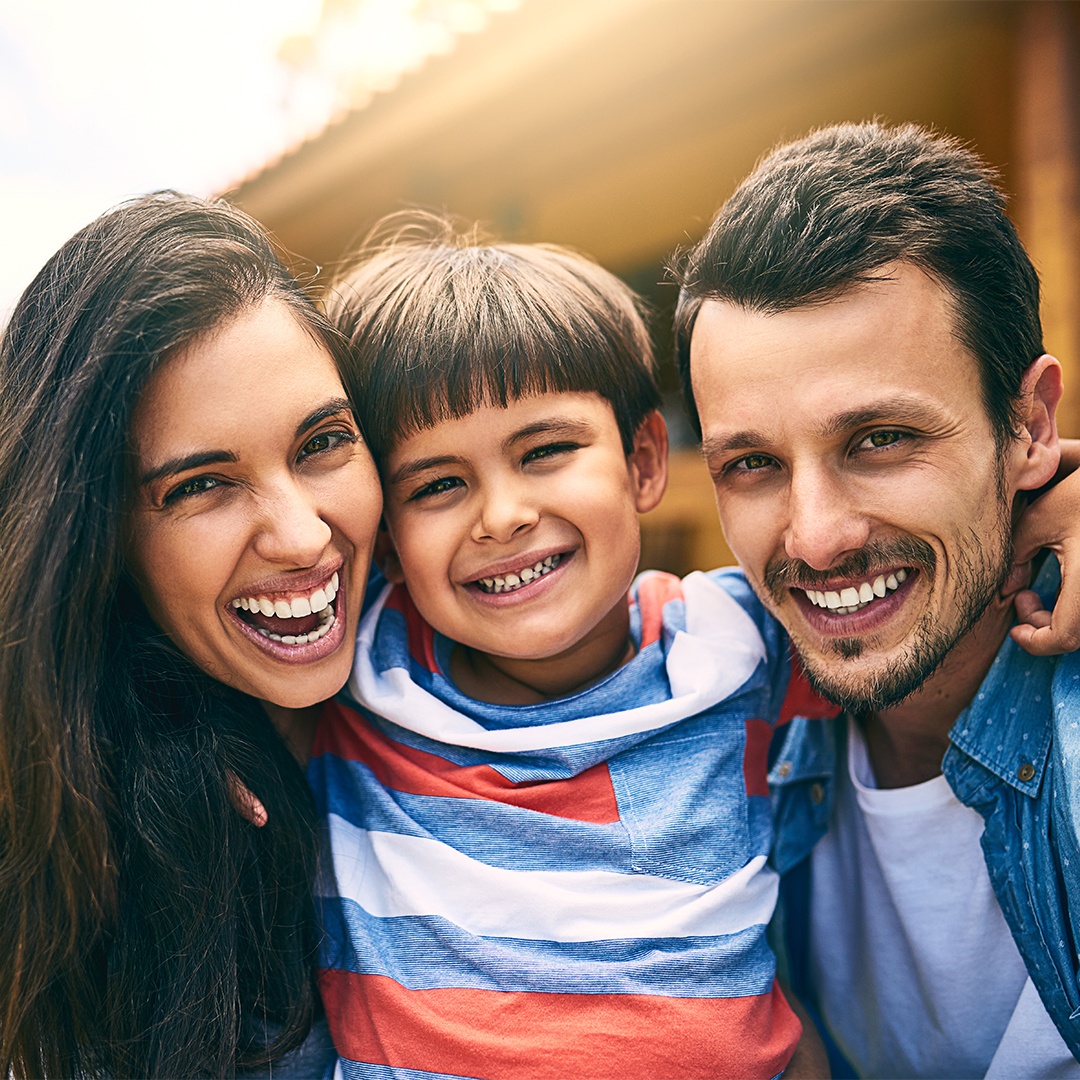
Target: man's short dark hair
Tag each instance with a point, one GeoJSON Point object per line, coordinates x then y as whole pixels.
{"type": "Point", "coordinates": [442, 322]}
{"type": "Point", "coordinates": [822, 214]}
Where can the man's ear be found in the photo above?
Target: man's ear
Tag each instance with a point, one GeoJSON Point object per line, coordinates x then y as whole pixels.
{"type": "Point", "coordinates": [1037, 450]}
{"type": "Point", "coordinates": [649, 462]}
{"type": "Point", "coordinates": [386, 556]}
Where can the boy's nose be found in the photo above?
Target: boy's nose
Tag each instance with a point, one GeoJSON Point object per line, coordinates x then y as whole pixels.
{"type": "Point", "coordinates": [505, 513]}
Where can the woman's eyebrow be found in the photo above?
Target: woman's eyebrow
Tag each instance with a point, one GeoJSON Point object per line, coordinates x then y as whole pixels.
{"type": "Point", "coordinates": [188, 461]}
{"type": "Point", "coordinates": [333, 407]}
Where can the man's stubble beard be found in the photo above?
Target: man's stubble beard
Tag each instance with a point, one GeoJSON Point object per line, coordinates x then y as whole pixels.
{"type": "Point", "coordinates": [979, 570]}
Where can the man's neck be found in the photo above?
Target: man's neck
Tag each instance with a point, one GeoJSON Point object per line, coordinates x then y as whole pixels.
{"type": "Point", "coordinates": [908, 742]}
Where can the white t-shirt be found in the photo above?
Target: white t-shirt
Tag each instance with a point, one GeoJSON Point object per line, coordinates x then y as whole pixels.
{"type": "Point", "coordinates": [916, 970]}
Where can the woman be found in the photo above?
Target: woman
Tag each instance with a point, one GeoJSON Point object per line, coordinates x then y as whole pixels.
{"type": "Point", "coordinates": [186, 518]}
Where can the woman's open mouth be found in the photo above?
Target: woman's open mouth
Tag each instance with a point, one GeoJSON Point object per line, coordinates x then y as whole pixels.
{"type": "Point", "coordinates": [300, 620]}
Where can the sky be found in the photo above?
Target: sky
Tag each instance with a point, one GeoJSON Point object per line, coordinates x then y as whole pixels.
{"type": "Point", "coordinates": [106, 99]}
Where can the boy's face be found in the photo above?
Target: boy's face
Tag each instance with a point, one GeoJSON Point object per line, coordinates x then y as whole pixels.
{"type": "Point", "coordinates": [516, 529]}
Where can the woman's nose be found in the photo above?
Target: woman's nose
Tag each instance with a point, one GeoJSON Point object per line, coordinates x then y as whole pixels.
{"type": "Point", "coordinates": [291, 531]}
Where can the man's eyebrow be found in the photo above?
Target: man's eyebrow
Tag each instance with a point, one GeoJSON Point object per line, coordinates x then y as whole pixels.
{"type": "Point", "coordinates": [902, 410]}
{"type": "Point", "coordinates": [333, 407]}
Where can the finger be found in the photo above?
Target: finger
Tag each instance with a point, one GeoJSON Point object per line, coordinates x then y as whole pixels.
{"type": "Point", "coordinates": [247, 803]}
{"type": "Point", "coordinates": [1029, 609]}
{"type": "Point", "coordinates": [1019, 578]}
{"type": "Point", "coordinates": [1040, 526]}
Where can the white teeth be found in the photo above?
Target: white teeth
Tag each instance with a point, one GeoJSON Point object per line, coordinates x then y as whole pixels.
{"type": "Point", "coordinates": [304, 639]}
{"type": "Point", "coordinates": [318, 603]}
{"type": "Point", "coordinates": [853, 598]}
{"type": "Point", "coordinates": [509, 582]}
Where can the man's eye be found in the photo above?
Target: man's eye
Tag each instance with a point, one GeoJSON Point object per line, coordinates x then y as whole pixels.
{"type": "Point", "coordinates": [550, 450]}
{"type": "Point", "coordinates": [437, 487]}
{"type": "Point", "coordinates": [326, 440]}
{"type": "Point", "coordinates": [877, 439]}
{"type": "Point", "coordinates": [195, 486]}
{"type": "Point", "coordinates": [753, 462]}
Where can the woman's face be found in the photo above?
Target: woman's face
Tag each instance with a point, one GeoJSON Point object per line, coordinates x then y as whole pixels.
{"type": "Point", "coordinates": [256, 506]}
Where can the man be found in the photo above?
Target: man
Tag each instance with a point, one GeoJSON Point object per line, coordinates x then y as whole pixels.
{"type": "Point", "coordinates": [859, 331]}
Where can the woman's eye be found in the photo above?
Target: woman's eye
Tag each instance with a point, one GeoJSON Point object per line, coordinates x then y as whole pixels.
{"type": "Point", "coordinates": [542, 453]}
{"type": "Point", "coordinates": [326, 440]}
{"type": "Point", "coordinates": [195, 486]}
{"type": "Point", "coordinates": [437, 487]}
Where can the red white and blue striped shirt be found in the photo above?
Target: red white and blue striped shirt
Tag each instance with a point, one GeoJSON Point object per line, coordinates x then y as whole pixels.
{"type": "Point", "coordinates": [574, 887]}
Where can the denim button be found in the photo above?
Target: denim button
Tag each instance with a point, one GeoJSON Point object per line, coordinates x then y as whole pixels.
{"type": "Point", "coordinates": [817, 794]}
{"type": "Point", "coordinates": [1026, 771]}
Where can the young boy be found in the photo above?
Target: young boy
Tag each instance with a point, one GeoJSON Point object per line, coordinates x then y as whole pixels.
{"type": "Point", "coordinates": [545, 791]}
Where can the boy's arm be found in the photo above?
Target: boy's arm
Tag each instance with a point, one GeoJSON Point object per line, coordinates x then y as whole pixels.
{"type": "Point", "coordinates": [810, 1061]}
{"type": "Point", "coordinates": [1052, 521]}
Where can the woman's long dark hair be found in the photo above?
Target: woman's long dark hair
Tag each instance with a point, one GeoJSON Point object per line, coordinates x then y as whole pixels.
{"type": "Point", "coordinates": [146, 928]}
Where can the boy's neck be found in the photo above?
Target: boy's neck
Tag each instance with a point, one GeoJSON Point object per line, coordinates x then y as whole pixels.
{"type": "Point", "coordinates": [503, 680]}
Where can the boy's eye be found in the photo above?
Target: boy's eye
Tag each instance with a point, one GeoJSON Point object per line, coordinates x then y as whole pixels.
{"type": "Point", "coordinates": [195, 486]}
{"type": "Point", "coordinates": [326, 440]}
{"type": "Point", "coordinates": [437, 487]}
{"type": "Point", "coordinates": [549, 450]}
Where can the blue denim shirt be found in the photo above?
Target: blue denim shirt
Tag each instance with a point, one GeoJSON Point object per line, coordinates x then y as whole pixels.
{"type": "Point", "coordinates": [1014, 756]}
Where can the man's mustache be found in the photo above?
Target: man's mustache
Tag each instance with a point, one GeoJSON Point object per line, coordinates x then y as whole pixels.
{"type": "Point", "coordinates": [908, 551]}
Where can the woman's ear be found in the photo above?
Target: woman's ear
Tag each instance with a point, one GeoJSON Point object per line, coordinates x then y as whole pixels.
{"type": "Point", "coordinates": [649, 462]}
{"type": "Point", "coordinates": [1038, 451]}
{"type": "Point", "coordinates": [386, 557]}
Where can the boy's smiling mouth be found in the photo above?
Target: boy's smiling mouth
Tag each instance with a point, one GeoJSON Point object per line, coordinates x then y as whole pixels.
{"type": "Point", "coordinates": [510, 582]}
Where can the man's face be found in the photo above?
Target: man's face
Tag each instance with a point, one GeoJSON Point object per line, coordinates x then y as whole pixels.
{"type": "Point", "coordinates": [857, 477]}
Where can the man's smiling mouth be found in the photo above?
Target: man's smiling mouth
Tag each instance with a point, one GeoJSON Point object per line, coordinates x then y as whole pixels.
{"type": "Point", "coordinates": [856, 597]}
{"type": "Point", "coordinates": [510, 582]}
{"type": "Point", "coordinates": [297, 621]}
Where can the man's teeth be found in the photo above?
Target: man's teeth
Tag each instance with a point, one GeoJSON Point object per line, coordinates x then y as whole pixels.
{"type": "Point", "coordinates": [510, 582]}
{"type": "Point", "coordinates": [321, 600]}
{"type": "Point", "coordinates": [856, 598]}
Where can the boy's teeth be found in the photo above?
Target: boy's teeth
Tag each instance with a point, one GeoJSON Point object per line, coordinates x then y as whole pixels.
{"type": "Point", "coordinates": [850, 599]}
{"type": "Point", "coordinates": [509, 582]}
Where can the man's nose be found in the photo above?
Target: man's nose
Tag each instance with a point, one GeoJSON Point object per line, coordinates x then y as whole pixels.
{"type": "Point", "coordinates": [825, 521]}
{"type": "Point", "coordinates": [505, 510]}
{"type": "Point", "coordinates": [292, 532]}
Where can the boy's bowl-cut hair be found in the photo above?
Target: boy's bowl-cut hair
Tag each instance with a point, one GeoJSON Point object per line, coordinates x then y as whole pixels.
{"type": "Point", "coordinates": [443, 321]}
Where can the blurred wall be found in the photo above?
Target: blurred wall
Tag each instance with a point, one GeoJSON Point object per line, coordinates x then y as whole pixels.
{"type": "Point", "coordinates": [619, 126]}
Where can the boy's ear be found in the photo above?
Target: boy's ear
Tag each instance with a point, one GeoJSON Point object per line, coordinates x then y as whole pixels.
{"type": "Point", "coordinates": [386, 557]}
{"type": "Point", "coordinates": [649, 462]}
{"type": "Point", "coordinates": [1037, 451]}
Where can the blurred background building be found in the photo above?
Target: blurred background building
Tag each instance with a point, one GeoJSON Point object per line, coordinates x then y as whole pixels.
{"type": "Point", "coordinates": [619, 126]}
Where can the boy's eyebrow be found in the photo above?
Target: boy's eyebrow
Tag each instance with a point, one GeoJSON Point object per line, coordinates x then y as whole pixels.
{"type": "Point", "coordinates": [556, 425]}
{"type": "Point", "coordinates": [411, 468]}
